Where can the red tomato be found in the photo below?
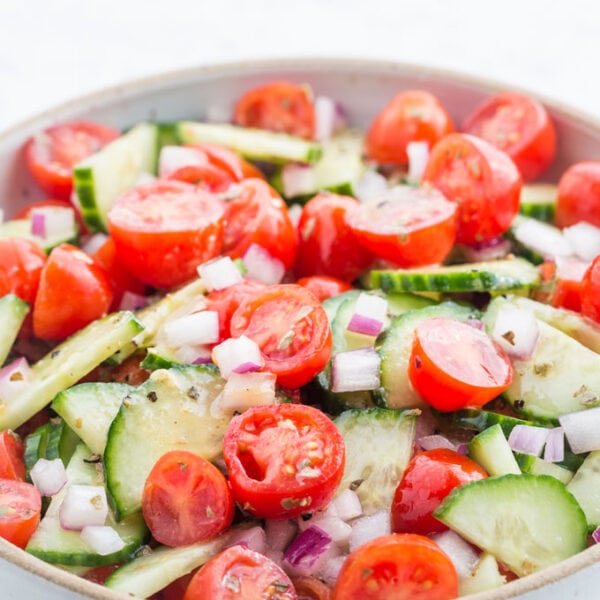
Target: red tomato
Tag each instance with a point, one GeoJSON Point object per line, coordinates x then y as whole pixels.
{"type": "Point", "coordinates": [399, 566]}
{"type": "Point", "coordinates": [407, 226]}
{"type": "Point", "coordinates": [291, 329]}
{"type": "Point", "coordinates": [311, 588]}
{"type": "Point", "coordinates": [52, 154]}
{"type": "Point", "coordinates": [453, 365]}
{"type": "Point", "coordinates": [73, 292]}
{"type": "Point", "coordinates": [175, 590]}
{"type": "Point", "coordinates": [237, 573]}
{"type": "Point", "coordinates": [518, 125]}
{"type": "Point", "coordinates": [100, 574]}
{"type": "Point", "coordinates": [20, 268]}
{"type": "Point", "coordinates": [328, 246]}
{"type": "Point", "coordinates": [12, 465]}
{"type": "Point", "coordinates": [20, 507]}
{"type": "Point", "coordinates": [226, 301]}
{"type": "Point", "coordinates": [567, 294]}
{"type": "Point", "coordinates": [278, 106]}
{"type": "Point", "coordinates": [25, 212]}
{"type": "Point", "coordinates": [481, 179]}
{"type": "Point", "coordinates": [163, 230]}
{"type": "Point", "coordinates": [579, 195]}
{"type": "Point", "coordinates": [323, 286]}
{"type": "Point", "coordinates": [590, 291]}
{"type": "Point", "coordinates": [283, 459]}
{"type": "Point", "coordinates": [186, 499]}
{"type": "Point", "coordinates": [258, 215]}
{"type": "Point", "coordinates": [122, 280]}
{"type": "Point", "coordinates": [411, 116]}
{"type": "Point", "coordinates": [428, 479]}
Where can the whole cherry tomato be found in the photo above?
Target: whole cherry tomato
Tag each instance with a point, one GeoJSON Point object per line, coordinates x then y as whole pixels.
{"type": "Point", "coordinates": [579, 195]}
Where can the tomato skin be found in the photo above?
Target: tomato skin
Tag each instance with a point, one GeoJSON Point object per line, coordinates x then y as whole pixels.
{"type": "Point", "coordinates": [186, 499]}
{"type": "Point", "coordinates": [258, 215]}
{"type": "Point", "coordinates": [520, 126]}
{"type": "Point", "coordinates": [568, 294]}
{"type": "Point", "coordinates": [20, 268]}
{"type": "Point", "coordinates": [328, 246]}
{"type": "Point", "coordinates": [291, 329]}
{"type": "Point", "coordinates": [12, 465]}
{"type": "Point", "coordinates": [267, 447]}
{"type": "Point", "coordinates": [427, 480]}
{"type": "Point", "coordinates": [278, 106]}
{"type": "Point", "coordinates": [590, 291]}
{"type": "Point", "coordinates": [323, 286]}
{"type": "Point", "coordinates": [20, 507]}
{"type": "Point", "coordinates": [163, 230]}
{"type": "Point", "coordinates": [411, 116]}
{"type": "Point", "coordinates": [399, 566]}
{"type": "Point", "coordinates": [52, 154]}
{"type": "Point", "coordinates": [56, 315]}
{"type": "Point", "coordinates": [579, 195]}
{"type": "Point", "coordinates": [311, 588]}
{"type": "Point", "coordinates": [481, 179]}
{"type": "Point", "coordinates": [453, 365]}
{"type": "Point", "coordinates": [408, 227]}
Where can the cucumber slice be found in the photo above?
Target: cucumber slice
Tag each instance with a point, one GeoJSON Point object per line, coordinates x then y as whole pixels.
{"type": "Point", "coordinates": [170, 411]}
{"type": "Point", "coordinates": [538, 466]}
{"type": "Point", "coordinates": [149, 573]}
{"type": "Point", "coordinates": [485, 576]}
{"type": "Point", "coordinates": [89, 409]}
{"type": "Point", "coordinates": [100, 179]}
{"type": "Point", "coordinates": [585, 486]}
{"type": "Point", "coordinates": [13, 311]}
{"type": "Point", "coordinates": [527, 522]}
{"type": "Point", "coordinates": [252, 143]}
{"type": "Point", "coordinates": [532, 229]}
{"type": "Point", "coordinates": [396, 390]}
{"type": "Point", "coordinates": [379, 446]}
{"type": "Point", "coordinates": [21, 228]}
{"type": "Point", "coordinates": [67, 364]}
{"type": "Point", "coordinates": [478, 420]}
{"type": "Point", "coordinates": [538, 201]}
{"type": "Point", "coordinates": [491, 276]}
{"type": "Point", "coordinates": [51, 440]}
{"type": "Point", "coordinates": [490, 449]}
{"type": "Point", "coordinates": [52, 543]}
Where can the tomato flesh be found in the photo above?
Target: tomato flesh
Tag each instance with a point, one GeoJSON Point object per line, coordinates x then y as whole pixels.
{"type": "Point", "coordinates": [20, 507]}
{"type": "Point", "coordinates": [20, 268]}
{"type": "Point", "coordinates": [12, 465]}
{"type": "Point", "coordinates": [323, 286]}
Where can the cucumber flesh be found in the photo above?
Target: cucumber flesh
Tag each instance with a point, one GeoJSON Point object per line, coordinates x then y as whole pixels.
{"type": "Point", "coordinates": [478, 420]}
{"type": "Point", "coordinates": [538, 466]}
{"type": "Point", "coordinates": [485, 576]}
{"type": "Point", "coordinates": [585, 486]}
{"type": "Point", "coordinates": [21, 228]}
{"type": "Point", "coordinates": [528, 522]}
{"type": "Point", "coordinates": [13, 311]}
{"type": "Point", "coordinates": [538, 201]}
{"type": "Point", "coordinates": [490, 449]}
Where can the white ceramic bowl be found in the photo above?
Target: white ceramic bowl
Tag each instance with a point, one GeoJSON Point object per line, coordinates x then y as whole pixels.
{"type": "Point", "coordinates": [363, 87]}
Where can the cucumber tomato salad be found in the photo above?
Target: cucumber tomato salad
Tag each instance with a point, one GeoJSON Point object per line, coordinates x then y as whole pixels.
{"type": "Point", "coordinates": [279, 357]}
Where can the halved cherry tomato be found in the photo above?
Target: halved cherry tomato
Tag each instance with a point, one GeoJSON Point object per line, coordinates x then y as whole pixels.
{"type": "Point", "coordinates": [323, 286]}
{"type": "Point", "coordinates": [100, 574]}
{"type": "Point", "coordinates": [25, 212]}
{"type": "Point", "coordinates": [163, 230]}
{"type": "Point", "coordinates": [520, 126]}
{"type": "Point", "coordinates": [328, 246]}
{"type": "Point", "coordinates": [428, 479]}
{"type": "Point", "coordinates": [410, 116]}
{"type": "Point", "coordinates": [52, 154]}
{"type": "Point", "coordinates": [238, 572]}
{"type": "Point", "coordinates": [20, 268]}
{"type": "Point", "coordinates": [567, 294]}
{"type": "Point", "coordinates": [579, 195]}
{"type": "Point", "coordinates": [73, 292]}
{"type": "Point", "coordinates": [226, 301]}
{"type": "Point", "coordinates": [20, 507]}
{"type": "Point", "coordinates": [12, 465]}
{"type": "Point", "coordinates": [453, 365]}
{"type": "Point", "coordinates": [278, 106]}
{"type": "Point", "coordinates": [258, 215]}
{"type": "Point", "coordinates": [175, 590]}
{"type": "Point", "coordinates": [407, 226]}
{"type": "Point", "coordinates": [186, 499]}
{"type": "Point", "coordinates": [291, 329]}
{"type": "Point", "coordinates": [311, 588]}
{"type": "Point", "coordinates": [283, 460]}
{"type": "Point", "coordinates": [481, 179]}
{"type": "Point", "coordinates": [399, 566]}
{"type": "Point", "coordinates": [590, 291]}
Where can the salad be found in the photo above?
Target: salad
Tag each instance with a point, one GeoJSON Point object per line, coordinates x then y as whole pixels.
{"type": "Point", "coordinates": [279, 357]}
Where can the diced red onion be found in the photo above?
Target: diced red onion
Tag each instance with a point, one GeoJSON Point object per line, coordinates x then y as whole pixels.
{"type": "Point", "coordinates": [198, 328]}
{"type": "Point", "coordinates": [261, 266]}
{"type": "Point", "coordinates": [476, 324]}
{"type": "Point", "coordinates": [585, 239]}
{"type": "Point", "coordinates": [83, 505]}
{"type": "Point", "coordinates": [370, 185]}
{"type": "Point", "coordinates": [369, 315]}
{"type": "Point", "coordinates": [330, 571]}
{"type": "Point", "coordinates": [596, 535]}
{"type": "Point", "coordinates": [545, 239]}
{"type": "Point", "coordinates": [582, 429]}
{"type": "Point", "coordinates": [570, 268]}
{"type": "Point", "coordinates": [132, 301]}
{"type": "Point", "coordinates": [418, 155]}
{"type": "Point", "coordinates": [94, 242]}
{"type": "Point", "coordinates": [554, 451]}
{"type": "Point", "coordinates": [253, 538]}
{"type": "Point", "coordinates": [329, 116]}
{"type": "Point", "coordinates": [1, 215]}
{"type": "Point", "coordinates": [339, 531]}
{"type": "Point", "coordinates": [463, 556]}
{"type": "Point", "coordinates": [244, 390]}
{"type": "Point", "coordinates": [173, 158]}
{"type": "Point", "coordinates": [191, 354]}
{"type": "Point", "coordinates": [14, 379]}
{"type": "Point", "coordinates": [238, 355]}
{"type": "Point", "coordinates": [516, 330]}
{"type": "Point", "coordinates": [367, 528]}
{"type": "Point", "coordinates": [307, 551]}
{"type": "Point", "coordinates": [280, 532]}
{"type": "Point", "coordinates": [492, 250]}
{"type": "Point", "coordinates": [462, 449]}
{"type": "Point", "coordinates": [347, 505]}
{"type": "Point", "coordinates": [48, 476]}
{"type": "Point", "coordinates": [355, 370]}
{"type": "Point", "coordinates": [431, 442]}
{"type": "Point", "coordinates": [52, 222]}
{"type": "Point", "coordinates": [102, 539]}
{"type": "Point", "coordinates": [297, 179]}
{"type": "Point", "coordinates": [219, 273]}
{"type": "Point", "coordinates": [295, 212]}
{"type": "Point", "coordinates": [528, 439]}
